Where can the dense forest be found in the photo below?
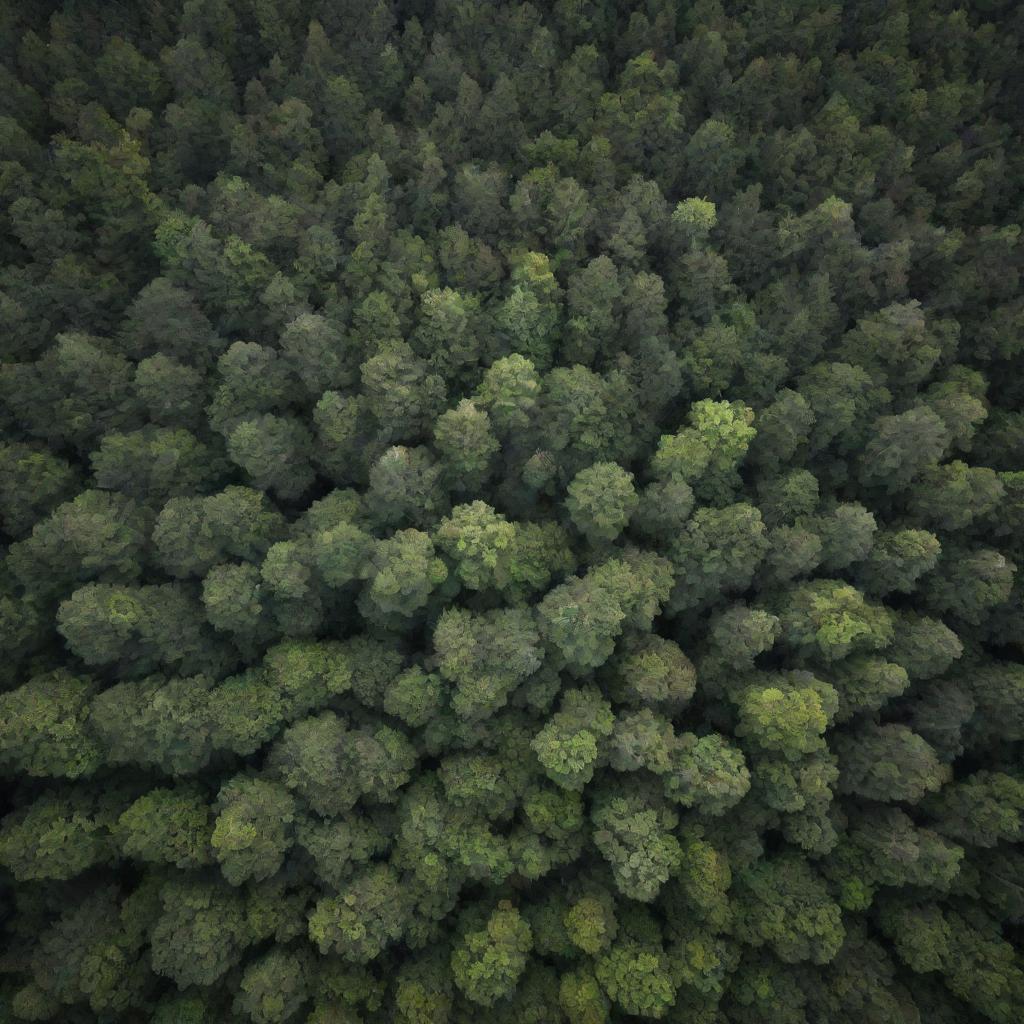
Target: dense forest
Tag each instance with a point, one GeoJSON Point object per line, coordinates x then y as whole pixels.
{"type": "Point", "coordinates": [511, 512]}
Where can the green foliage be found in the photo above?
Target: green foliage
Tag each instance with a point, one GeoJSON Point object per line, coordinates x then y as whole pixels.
{"type": "Point", "coordinates": [719, 550]}
{"type": "Point", "coordinates": [478, 540]}
{"type": "Point", "coordinates": [274, 987]}
{"type": "Point", "coordinates": [707, 453]}
{"type": "Point", "coordinates": [568, 746]}
{"type": "Point", "coordinates": [708, 772]}
{"type": "Point", "coordinates": [403, 570]}
{"type": "Point", "coordinates": [511, 512]}
{"type": "Point", "coordinates": [583, 617]}
{"type": "Point", "coordinates": [33, 481]}
{"type": "Point", "coordinates": [791, 722]}
{"type": "Point", "coordinates": [97, 536]}
{"type": "Point", "coordinates": [167, 826]}
{"type": "Point", "coordinates": [363, 918]}
{"type": "Point", "coordinates": [466, 445]}
{"type": "Point", "coordinates": [487, 961]}
{"type": "Point", "coordinates": [200, 933]}
{"type": "Point", "coordinates": [888, 762]}
{"type": "Point", "coordinates": [782, 903]}
{"type": "Point", "coordinates": [57, 836]}
{"type": "Point", "coordinates": [192, 535]}
{"type": "Point", "coordinates": [601, 500]}
{"type": "Point", "coordinates": [636, 977]}
{"type": "Point", "coordinates": [155, 463]}
{"type": "Point", "coordinates": [139, 629]}
{"type": "Point", "coordinates": [650, 670]}
{"type": "Point", "coordinates": [485, 657]}
{"type": "Point", "coordinates": [590, 923]}
{"type": "Point", "coordinates": [829, 620]}
{"type": "Point", "coordinates": [45, 729]}
{"type": "Point", "coordinates": [634, 834]}
{"type": "Point", "coordinates": [252, 832]}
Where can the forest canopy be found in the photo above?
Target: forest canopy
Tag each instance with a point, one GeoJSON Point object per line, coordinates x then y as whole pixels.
{"type": "Point", "coordinates": [511, 512]}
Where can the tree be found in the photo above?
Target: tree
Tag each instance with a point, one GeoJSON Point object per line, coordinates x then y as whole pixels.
{"type": "Point", "coordinates": [888, 762]}
{"type": "Point", "coordinates": [978, 952]}
{"type": "Point", "coordinates": [274, 987]}
{"type": "Point", "coordinates": [154, 464]}
{"type": "Point", "coordinates": [139, 628]}
{"type": "Point", "coordinates": [402, 573]}
{"type": "Point", "coordinates": [636, 977]}
{"type": "Point", "coordinates": [790, 721]}
{"type": "Point", "coordinates": [156, 722]}
{"type": "Point", "coordinates": [467, 446]}
{"type": "Point", "coordinates": [740, 634]}
{"type": "Point", "coordinates": [969, 584]}
{"type": "Point", "coordinates": [367, 915]}
{"type": "Point", "coordinates": [509, 393]}
{"type": "Point", "coordinates": [488, 961]}
{"type": "Point", "coordinates": [920, 934]}
{"type": "Point", "coordinates": [45, 728]}
{"type": "Point", "coordinates": [314, 759]}
{"type": "Point", "coordinates": [708, 772]}
{"type": "Point", "coordinates": [59, 835]}
{"type": "Point", "coordinates": [783, 429]}
{"type": "Point", "coordinates": [785, 499]}
{"type": "Point", "coordinates": [192, 535]}
{"type": "Point", "coordinates": [651, 671]}
{"type": "Point", "coordinates": [423, 992]}
{"type": "Point", "coordinates": [406, 488]}
{"type": "Point", "coordinates": [782, 903]}
{"type": "Point", "coordinates": [200, 933]}
{"type": "Point", "coordinates": [252, 832]}
{"type": "Point", "coordinates": [568, 746]}
{"type": "Point", "coordinates": [593, 304]}
{"type": "Point", "coordinates": [167, 826]}
{"type": "Point", "coordinates": [590, 922]}
{"type": "Point", "coordinates": [402, 394]}
{"type": "Point", "coordinates": [477, 539]}
{"type": "Point", "coordinates": [584, 417]}
{"type": "Point", "coordinates": [634, 834]}
{"type": "Point", "coordinates": [828, 619]}
{"type": "Point", "coordinates": [662, 508]}
{"type": "Point", "coordinates": [582, 999]}
{"type": "Point", "coordinates": [898, 558]}
{"type": "Point", "coordinates": [601, 500]}
{"type": "Point", "coordinates": [708, 452]}
{"type": "Point", "coordinates": [485, 657]}
{"type": "Point", "coordinates": [903, 447]}
{"type": "Point", "coordinates": [232, 598]}
{"type": "Point", "coordinates": [273, 451]}
{"type": "Point", "coordinates": [529, 316]}
{"type": "Point", "coordinates": [173, 395]}
{"type": "Point", "coordinates": [952, 496]}
{"type": "Point", "coordinates": [85, 391]}
{"type": "Point", "coordinates": [314, 349]}
{"type": "Point", "coordinates": [866, 683]}
{"type": "Point", "coordinates": [415, 697]}
{"type": "Point", "coordinates": [33, 482]}
{"type": "Point", "coordinates": [720, 549]}
{"type": "Point", "coordinates": [584, 616]}
{"type": "Point", "coordinates": [98, 536]}
{"type": "Point", "coordinates": [448, 331]}
{"type": "Point", "coordinates": [924, 646]}
{"type": "Point", "coordinates": [895, 344]}
{"type": "Point", "coordinates": [713, 158]}
{"type": "Point", "coordinates": [982, 809]}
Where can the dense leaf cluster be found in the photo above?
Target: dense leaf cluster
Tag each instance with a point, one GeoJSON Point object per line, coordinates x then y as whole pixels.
{"type": "Point", "coordinates": [512, 512]}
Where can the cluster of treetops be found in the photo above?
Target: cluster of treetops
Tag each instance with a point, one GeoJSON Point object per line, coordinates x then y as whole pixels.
{"type": "Point", "coordinates": [512, 512]}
